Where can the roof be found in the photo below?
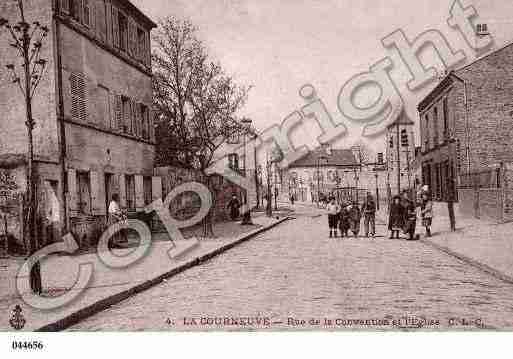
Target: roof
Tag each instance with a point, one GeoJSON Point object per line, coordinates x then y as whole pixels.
{"type": "Point", "coordinates": [138, 12]}
{"type": "Point", "coordinates": [402, 119]}
{"type": "Point", "coordinates": [448, 79]}
{"type": "Point", "coordinates": [336, 158]}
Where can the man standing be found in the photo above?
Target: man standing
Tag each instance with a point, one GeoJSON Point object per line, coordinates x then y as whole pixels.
{"type": "Point", "coordinates": [410, 216]}
{"type": "Point", "coordinates": [234, 206]}
{"type": "Point", "coordinates": [369, 214]}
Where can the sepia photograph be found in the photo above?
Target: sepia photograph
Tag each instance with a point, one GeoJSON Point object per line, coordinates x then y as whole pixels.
{"type": "Point", "coordinates": [261, 166]}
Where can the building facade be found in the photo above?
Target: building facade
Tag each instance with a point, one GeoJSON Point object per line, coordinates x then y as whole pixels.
{"type": "Point", "coordinates": [400, 154]}
{"type": "Point", "coordinates": [465, 122]}
{"type": "Point", "coordinates": [336, 172]}
{"type": "Point", "coordinates": [93, 111]}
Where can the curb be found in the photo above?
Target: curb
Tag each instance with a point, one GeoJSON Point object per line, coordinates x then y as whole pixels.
{"type": "Point", "coordinates": [481, 266]}
{"type": "Point", "coordinates": [111, 300]}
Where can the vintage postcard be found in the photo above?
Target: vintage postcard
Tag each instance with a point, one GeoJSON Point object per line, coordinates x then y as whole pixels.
{"type": "Point", "coordinates": [245, 165]}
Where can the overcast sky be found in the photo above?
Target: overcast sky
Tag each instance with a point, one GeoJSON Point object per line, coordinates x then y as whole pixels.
{"type": "Point", "coordinates": [279, 45]}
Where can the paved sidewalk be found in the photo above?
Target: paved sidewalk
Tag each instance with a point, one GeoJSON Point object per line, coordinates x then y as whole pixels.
{"type": "Point", "coordinates": [58, 273]}
{"type": "Point", "coordinates": [485, 243]}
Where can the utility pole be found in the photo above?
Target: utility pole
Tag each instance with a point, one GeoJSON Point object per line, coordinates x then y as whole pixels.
{"type": "Point", "coordinates": [27, 39]}
{"type": "Point", "coordinates": [398, 159]}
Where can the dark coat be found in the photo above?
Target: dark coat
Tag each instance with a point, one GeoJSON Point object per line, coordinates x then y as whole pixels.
{"type": "Point", "coordinates": [396, 216]}
{"type": "Point", "coordinates": [343, 220]}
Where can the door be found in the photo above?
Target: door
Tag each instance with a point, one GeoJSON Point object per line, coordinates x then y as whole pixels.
{"type": "Point", "coordinates": [109, 177]}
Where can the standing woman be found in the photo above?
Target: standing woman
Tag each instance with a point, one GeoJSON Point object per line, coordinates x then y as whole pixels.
{"type": "Point", "coordinates": [395, 218]}
{"type": "Point", "coordinates": [427, 213]}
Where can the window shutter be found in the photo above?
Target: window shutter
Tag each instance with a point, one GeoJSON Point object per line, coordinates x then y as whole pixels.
{"type": "Point", "coordinates": [115, 27]}
{"type": "Point", "coordinates": [78, 96]}
{"type": "Point", "coordinates": [79, 10]}
{"type": "Point", "coordinates": [100, 20]}
{"type": "Point", "coordinates": [118, 110]}
{"type": "Point", "coordinates": [86, 18]}
{"type": "Point", "coordinates": [65, 6]}
{"type": "Point", "coordinates": [147, 49]}
{"type": "Point", "coordinates": [131, 37]}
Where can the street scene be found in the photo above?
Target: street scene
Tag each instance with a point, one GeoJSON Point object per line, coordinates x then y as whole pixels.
{"type": "Point", "coordinates": [217, 166]}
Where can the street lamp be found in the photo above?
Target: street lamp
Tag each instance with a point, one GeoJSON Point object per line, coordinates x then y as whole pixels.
{"type": "Point", "coordinates": [377, 189]}
{"type": "Point", "coordinates": [246, 216]}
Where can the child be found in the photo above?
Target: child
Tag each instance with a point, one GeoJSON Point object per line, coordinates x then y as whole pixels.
{"type": "Point", "coordinates": [332, 217]}
{"type": "Point", "coordinates": [343, 220]}
{"type": "Point", "coordinates": [355, 217]}
{"type": "Point", "coordinates": [395, 218]}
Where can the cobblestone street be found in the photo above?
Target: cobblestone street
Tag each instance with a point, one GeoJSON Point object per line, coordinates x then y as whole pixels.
{"type": "Point", "coordinates": [295, 277]}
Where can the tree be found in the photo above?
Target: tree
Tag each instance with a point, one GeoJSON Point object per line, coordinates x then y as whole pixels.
{"type": "Point", "coordinates": [197, 101]}
{"type": "Point", "coordinates": [363, 153]}
{"type": "Point", "coordinates": [27, 39]}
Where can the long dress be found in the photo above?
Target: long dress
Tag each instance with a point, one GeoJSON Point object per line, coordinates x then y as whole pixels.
{"type": "Point", "coordinates": [396, 217]}
{"type": "Point", "coordinates": [355, 217]}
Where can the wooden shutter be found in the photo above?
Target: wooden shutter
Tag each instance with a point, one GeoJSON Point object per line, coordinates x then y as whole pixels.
{"type": "Point", "coordinates": [118, 111]}
{"type": "Point", "coordinates": [147, 49]}
{"type": "Point", "coordinates": [78, 96]}
{"type": "Point", "coordinates": [101, 23]}
{"type": "Point", "coordinates": [64, 6]}
{"type": "Point", "coordinates": [86, 14]}
{"type": "Point", "coordinates": [108, 20]}
{"type": "Point", "coordinates": [130, 35]}
{"type": "Point", "coordinates": [115, 27]}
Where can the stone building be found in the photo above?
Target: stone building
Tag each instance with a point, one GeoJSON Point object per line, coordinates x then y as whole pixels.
{"type": "Point", "coordinates": [94, 132]}
{"type": "Point", "coordinates": [332, 172]}
{"type": "Point", "coordinates": [466, 122]}
{"type": "Point", "coordinates": [400, 154]}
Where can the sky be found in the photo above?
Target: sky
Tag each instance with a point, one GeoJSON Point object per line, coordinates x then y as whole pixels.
{"type": "Point", "coordinates": [277, 46]}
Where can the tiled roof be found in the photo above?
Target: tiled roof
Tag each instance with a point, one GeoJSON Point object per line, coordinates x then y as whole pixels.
{"type": "Point", "coordinates": [336, 158]}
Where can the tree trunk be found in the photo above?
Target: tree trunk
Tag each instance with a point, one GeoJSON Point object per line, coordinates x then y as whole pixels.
{"type": "Point", "coordinates": [208, 227]}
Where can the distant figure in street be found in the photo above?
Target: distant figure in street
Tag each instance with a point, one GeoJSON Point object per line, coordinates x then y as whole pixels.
{"type": "Point", "coordinates": [409, 216]}
{"type": "Point", "coordinates": [292, 199]}
{"type": "Point", "coordinates": [369, 215]}
{"type": "Point", "coordinates": [395, 218]}
{"type": "Point", "coordinates": [116, 215]}
{"type": "Point", "coordinates": [427, 213]}
{"type": "Point", "coordinates": [355, 218]}
{"type": "Point", "coordinates": [234, 206]}
{"type": "Point", "coordinates": [343, 219]}
{"type": "Point", "coordinates": [332, 217]}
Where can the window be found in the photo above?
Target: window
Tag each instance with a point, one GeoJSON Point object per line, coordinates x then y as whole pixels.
{"type": "Point", "coordinates": [147, 190]}
{"type": "Point", "coordinates": [426, 138]}
{"type": "Point", "coordinates": [126, 114]}
{"type": "Point", "coordinates": [380, 157]}
{"type": "Point", "coordinates": [145, 119]}
{"type": "Point", "coordinates": [78, 96]}
{"type": "Point", "coordinates": [130, 191]}
{"type": "Point", "coordinates": [74, 9]}
{"type": "Point", "coordinates": [435, 126]}
{"type": "Point", "coordinates": [141, 44]}
{"type": "Point", "coordinates": [233, 138]}
{"type": "Point", "coordinates": [123, 31]}
{"type": "Point", "coordinates": [233, 161]}
{"type": "Point", "coordinates": [87, 14]}
{"type": "Point", "coordinates": [102, 106]}
{"type": "Point", "coordinates": [445, 109]}
{"type": "Point", "coordinates": [404, 138]}
{"type": "Point", "coordinates": [84, 193]}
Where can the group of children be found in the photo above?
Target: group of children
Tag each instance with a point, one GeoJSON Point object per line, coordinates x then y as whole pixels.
{"type": "Point", "coordinates": [345, 217]}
